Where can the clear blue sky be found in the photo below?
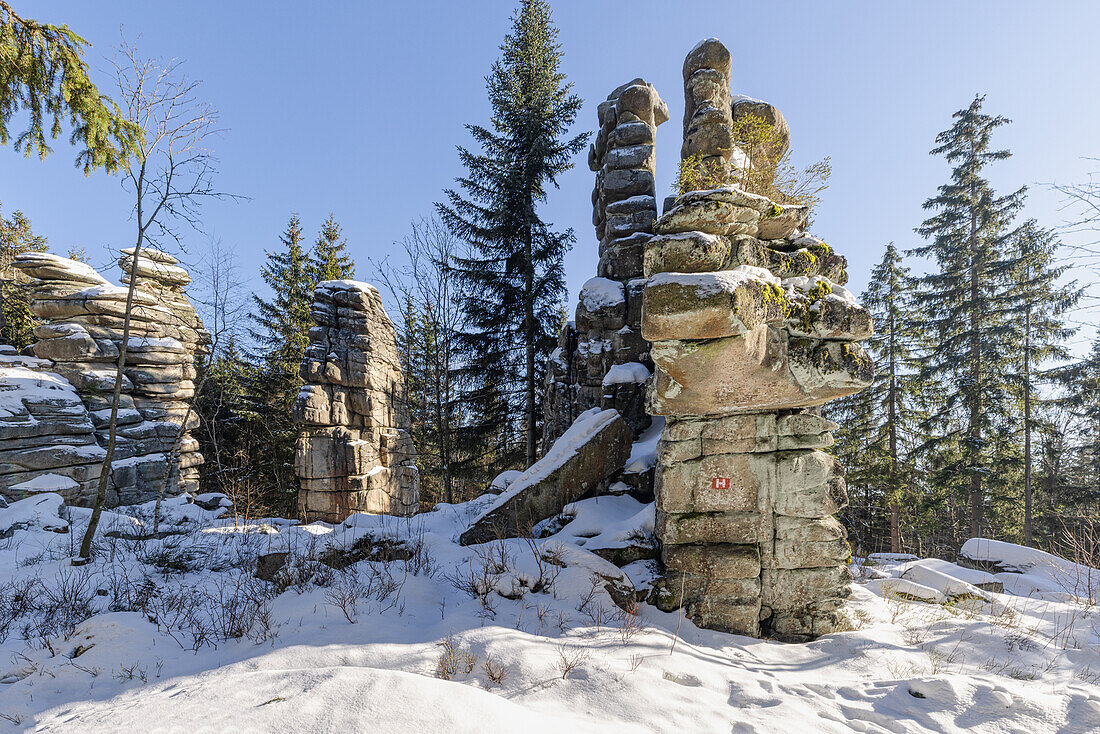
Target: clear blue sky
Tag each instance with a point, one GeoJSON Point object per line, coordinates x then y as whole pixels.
{"type": "Point", "coordinates": [356, 108]}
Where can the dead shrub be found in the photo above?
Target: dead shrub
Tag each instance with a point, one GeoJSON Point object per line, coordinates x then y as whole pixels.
{"type": "Point", "coordinates": [454, 658]}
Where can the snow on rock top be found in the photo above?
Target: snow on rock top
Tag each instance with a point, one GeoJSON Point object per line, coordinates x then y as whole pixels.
{"type": "Point", "coordinates": [802, 283]}
{"type": "Point", "coordinates": [969, 575]}
{"type": "Point", "coordinates": [47, 483]}
{"type": "Point", "coordinates": [741, 98]}
{"type": "Point", "coordinates": [21, 381]}
{"type": "Point", "coordinates": [949, 586]}
{"type": "Point", "coordinates": [505, 479]}
{"type": "Point", "coordinates": [346, 285]}
{"type": "Point", "coordinates": [48, 265]}
{"type": "Point", "coordinates": [702, 43]}
{"type": "Point", "coordinates": [598, 293]}
{"type": "Point", "coordinates": [643, 452]}
{"type": "Point", "coordinates": [722, 281]}
{"type": "Point", "coordinates": [42, 511]}
{"type": "Point", "coordinates": [1029, 570]}
{"type": "Point", "coordinates": [626, 374]}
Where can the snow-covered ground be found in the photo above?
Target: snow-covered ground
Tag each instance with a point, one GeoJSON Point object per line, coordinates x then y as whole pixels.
{"type": "Point", "coordinates": [176, 634]}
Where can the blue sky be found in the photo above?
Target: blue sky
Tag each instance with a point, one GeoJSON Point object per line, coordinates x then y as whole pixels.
{"type": "Point", "coordinates": [356, 108]}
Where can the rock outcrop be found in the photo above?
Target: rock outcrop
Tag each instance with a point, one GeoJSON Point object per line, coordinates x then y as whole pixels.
{"type": "Point", "coordinates": [751, 329]}
{"type": "Point", "coordinates": [354, 453]}
{"type": "Point", "coordinates": [47, 438]}
{"type": "Point", "coordinates": [602, 359]}
{"type": "Point", "coordinates": [79, 343]}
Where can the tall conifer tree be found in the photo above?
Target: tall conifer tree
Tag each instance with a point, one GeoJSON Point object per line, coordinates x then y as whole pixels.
{"type": "Point", "coordinates": [876, 439]}
{"type": "Point", "coordinates": [962, 302]}
{"type": "Point", "coordinates": [514, 268]}
{"type": "Point", "coordinates": [330, 259]}
{"type": "Point", "coordinates": [1038, 320]}
{"type": "Point", "coordinates": [1082, 385]}
{"type": "Point", "coordinates": [281, 334]}
{"type": "Point", "coordinates": [16, 320]}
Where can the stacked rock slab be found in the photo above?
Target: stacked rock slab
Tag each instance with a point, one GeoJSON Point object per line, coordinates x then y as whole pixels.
{"type": "Point", "coordinates": [47, 439]}
{"type": "Point", "coordinates": [751, 329]}
{"type": "Point", "coordinates": [81, 337]}
{"type": "Point", "coordinates": [602, 360]}
{"type": "Point", "coordinates": [354, 453]}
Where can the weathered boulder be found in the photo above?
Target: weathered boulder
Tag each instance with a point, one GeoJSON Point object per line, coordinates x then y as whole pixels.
{"type": "Point", "coordinates": [711, 305]}
{"type": "Point", "coordinates": [586, 455]}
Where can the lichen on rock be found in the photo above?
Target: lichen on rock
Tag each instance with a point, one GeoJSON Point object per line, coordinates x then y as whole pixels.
{"type": "Point", "coordinates": [745, 491]}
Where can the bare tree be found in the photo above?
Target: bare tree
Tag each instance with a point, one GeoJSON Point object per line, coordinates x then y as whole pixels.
{"type": "Point", "coordinates": [426, 289]}
{"type": "Point", "coordinates": [1081, 203]}
{"type": "Point", "coordinates": [169, 177]}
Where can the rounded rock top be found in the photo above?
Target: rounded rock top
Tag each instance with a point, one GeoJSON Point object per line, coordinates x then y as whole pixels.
{"type": "Point", "coordinates": [157, 256]}
{"type": "Point", "coordinates": [346, 285]}
{"type": "Point", "coordinates": [710, 53]}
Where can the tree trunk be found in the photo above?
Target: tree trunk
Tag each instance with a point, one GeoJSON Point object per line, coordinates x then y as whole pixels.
{"type": "Point", "coordinates": [531, 332]}
{"type": "Point", "coordinates": [112, 429]}
{"type": "Point", "coordinates": [892, 418]}
{"type": "Point", "coordinates": [1028, 531]}
{"type": "Point", "coordinates": [974, 430]}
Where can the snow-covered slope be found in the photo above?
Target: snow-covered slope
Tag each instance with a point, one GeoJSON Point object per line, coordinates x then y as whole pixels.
{"type": "Point", "coordinates": [509, 636]}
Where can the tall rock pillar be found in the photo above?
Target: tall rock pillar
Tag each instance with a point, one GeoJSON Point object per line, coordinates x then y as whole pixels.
{"type": "Point", "coordinates": [602, 360]}
{"type": "Point", "coordinates": [751, 330]}
{"type": "Point", "coordinates": [354, 453]}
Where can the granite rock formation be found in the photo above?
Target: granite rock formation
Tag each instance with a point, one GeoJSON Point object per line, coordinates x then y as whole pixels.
{"type": "Point", "coordinates": [751, 330]}
{"type": "Point", "coordinates": [602, 361]}
{"type": "Point", "coordinates": [78, 345]}
{"type": "Point", "coordinates": [354, 453]}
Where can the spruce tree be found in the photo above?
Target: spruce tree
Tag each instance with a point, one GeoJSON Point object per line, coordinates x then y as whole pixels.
{"type": "Point", "coordinates": [44, 74]}
{"type": "Point", "coordinates": [16, 320]}
{"type": "Point", "coordinates": [962, 302]}
{"type": "Point", "coordinates": [1082, 386]}
{"type": "Point", "coordinates": [1039, 330]}
{"type": "Point", "coordinates": [882, 420]}
{"type": "Point", "coordinates": [281, 334]}
{"type": "Point", "coordinates": [330, 260]}
{"type": "Point", "coordinates": [856, 420]}
{"type": "Point", "coordinates": [513, 272]}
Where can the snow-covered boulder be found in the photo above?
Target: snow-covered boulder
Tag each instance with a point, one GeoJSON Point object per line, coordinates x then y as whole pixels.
{"type": "Point", "coordinates": [1028, 571]}
{"type": "Point", "coordinates": [949, 586]}
{"type": "Point", "coordinates": [980, 579]}
{"type": "Point", "coordinates": [42, 511]}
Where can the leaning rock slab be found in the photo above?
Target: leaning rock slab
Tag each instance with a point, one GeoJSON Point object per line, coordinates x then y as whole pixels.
{"type": "Point", "coordinates": [593, 448]}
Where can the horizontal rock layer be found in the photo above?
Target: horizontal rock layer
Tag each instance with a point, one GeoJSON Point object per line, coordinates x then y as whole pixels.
{"type": "Point", "coordinates": [78, 345]}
